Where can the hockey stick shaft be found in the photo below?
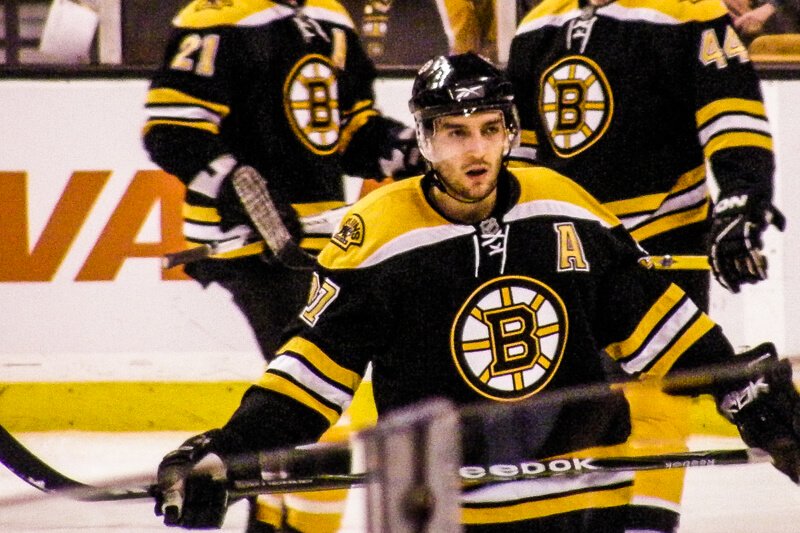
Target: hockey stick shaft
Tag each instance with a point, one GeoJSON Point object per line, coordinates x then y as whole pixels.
{"type": "Point", "coordinates": [472, 476]}
{"type": "Point", "coordinates": [251, 187]}
{"type": "Point", "coordinates": [184, 257]}
{"type": "Point", "coordinates": [680, 262]}
{"type": "Point", "coordinates": [203, 251]}
{"type": "Point", "coordinates": [25, 465]}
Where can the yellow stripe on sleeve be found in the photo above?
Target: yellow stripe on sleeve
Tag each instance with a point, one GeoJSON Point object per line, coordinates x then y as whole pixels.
{"type": "Point", "coordinates": [651, 319]}
{"type": "Point", "coordinates": [729, 105]}
{"type": "Point", "coordinates": [700, 327]}
{"type": "Point", "coordinates": [737, 139]}
{"type": "Point", "coordinates": [201, 214]}
{"type": "Point", "coordinates": [283, 386]}
{"type": "Point", "coordinates": [353, 126]}
{"type": "Point", "coordinates": [206, 126]}
{"type": "Point", "coordinates": [671, 222]}
{"type": "Point", "coordinates": [174, 97]}
{"type": "Point", "coordinates": [327, 366]}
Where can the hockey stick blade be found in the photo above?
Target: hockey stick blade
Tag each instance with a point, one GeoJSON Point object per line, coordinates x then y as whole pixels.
{"type": "Point", "coordinates": [252, 190]}
{"type": "Point", "coordinates": [29, 468]}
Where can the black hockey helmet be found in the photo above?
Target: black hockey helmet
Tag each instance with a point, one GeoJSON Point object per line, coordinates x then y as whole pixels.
{"type": "Point", "coordinates": [461, 84]}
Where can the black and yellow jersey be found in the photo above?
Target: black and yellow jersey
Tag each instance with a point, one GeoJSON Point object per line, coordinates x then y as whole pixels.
{"type": "Point", "coordinates": [517, 305]}
{"type": "Point", "coordinates": [631, 100]}
{"type": "Point", "coordinates": [254, 82]}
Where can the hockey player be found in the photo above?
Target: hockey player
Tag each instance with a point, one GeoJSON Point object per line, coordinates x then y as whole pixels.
{"type": "Point", "coordinates": [631, 98]}
{"type": "Point", "coordinates": [490, 284]}
{"type": "Point", "coordinates": [280, 89]}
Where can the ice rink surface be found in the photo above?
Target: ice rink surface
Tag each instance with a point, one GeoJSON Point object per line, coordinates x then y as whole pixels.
{"type": "Point", "coordinates": [722, 499]}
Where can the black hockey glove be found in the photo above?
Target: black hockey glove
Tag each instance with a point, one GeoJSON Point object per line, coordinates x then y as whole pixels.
{"type": "Point", "coordinates": [401, 157]}
{"type": "Point", "coordinates": [766, 409]}
{"type": "Point", "coordinates": [215, 183]}
{"type": "Point", "coordinates": [191, 488]}
{"type": "Point", "coordinates": [738, 222]}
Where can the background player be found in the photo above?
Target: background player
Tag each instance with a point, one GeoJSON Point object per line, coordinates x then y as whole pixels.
{"type": "Point", "coordinates": [631, 99]}
{"type": "Point", "coordinates": [283, 88]}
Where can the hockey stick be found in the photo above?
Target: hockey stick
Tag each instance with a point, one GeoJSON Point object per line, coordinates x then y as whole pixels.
{"type": "Point", "coordinates": [252, 190]}
{"type": "Point", "coordinates": [277, 467]}
{"type": "Point", "coordinates": [29, 468]}
{"type": "Point", "coordinates": [320, 224]}
{"type": "Point", "coordinates": [680, 262]}
{"type": "Point", "coordinates": [186, 256]}
{"type": "Point", "coordinates": [25, 465]}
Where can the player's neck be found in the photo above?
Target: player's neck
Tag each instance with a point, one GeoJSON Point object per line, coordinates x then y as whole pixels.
{"type": "Point", "coordinates": [463, 212]}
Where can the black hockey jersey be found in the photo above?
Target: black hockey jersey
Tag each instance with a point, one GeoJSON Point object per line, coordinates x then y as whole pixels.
{"type": "Point", "coordinates": [259, 83]}
{"type": "Point", "coordinates": [500, 311]}
{"type": "Point", "coordinates": [630, 99]}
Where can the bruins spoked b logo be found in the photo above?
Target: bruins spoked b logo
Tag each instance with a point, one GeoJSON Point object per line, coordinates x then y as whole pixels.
{"type": "Point", "coordinates": [576, 104]}
{"type": "Point", "coordinates": [508, 338]}
{"type": "Point", "coordinates": [311, 100]}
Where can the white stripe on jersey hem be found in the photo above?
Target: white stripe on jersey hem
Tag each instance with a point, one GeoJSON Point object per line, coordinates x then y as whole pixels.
{"type": "Point", "coordinates": [538, 208]}
{"type": "Point", "coordinates": [518, 490]}
{"type": "Point", "coordinates": [733, 122]}
{"type": "Point", "coordinates": [678, 319]}
{"type": "Point", "coordinates": [648, 501]}
{"type": "Point", "coordinates": [182, 112]}
{"type": "Point", "coordinates": [309, 380]}
{"type": "Point", "coordinates": [416, 239]}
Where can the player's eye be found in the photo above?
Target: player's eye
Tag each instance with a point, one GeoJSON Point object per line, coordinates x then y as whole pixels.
{"type": "Point", "coordinates": [492, 130]}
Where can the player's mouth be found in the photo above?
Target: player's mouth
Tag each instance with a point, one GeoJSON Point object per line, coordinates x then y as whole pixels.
{"type": "Point", "coordinates": [477, 172]}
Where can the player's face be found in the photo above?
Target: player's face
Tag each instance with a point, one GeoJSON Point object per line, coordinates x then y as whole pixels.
{"type": "Point", "coordinates": [468, 153]}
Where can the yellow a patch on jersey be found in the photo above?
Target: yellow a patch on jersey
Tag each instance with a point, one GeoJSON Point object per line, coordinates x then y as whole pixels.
{"type": "Point", "coordinates": [571, 256]}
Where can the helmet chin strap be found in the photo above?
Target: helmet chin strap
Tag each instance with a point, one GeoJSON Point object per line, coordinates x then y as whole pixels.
{"type": "Point", "coordinates": [440, 184]}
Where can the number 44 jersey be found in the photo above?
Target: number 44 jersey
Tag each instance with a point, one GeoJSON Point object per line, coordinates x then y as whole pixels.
{"type": "Point", "coordinates": [630, 99]}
